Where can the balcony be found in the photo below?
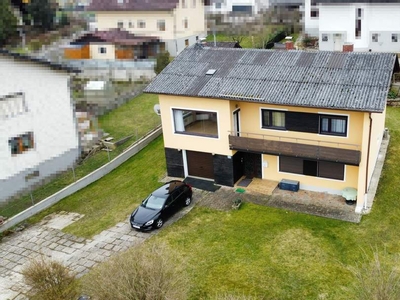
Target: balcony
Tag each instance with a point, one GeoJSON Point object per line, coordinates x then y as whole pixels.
{"type": "Point", "coordinates": [349, 154]}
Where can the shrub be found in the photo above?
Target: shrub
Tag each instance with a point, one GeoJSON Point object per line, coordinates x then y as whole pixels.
{"type": "Point", "coordinates": [144, 273]}
{"type": "Point", "coordinates": [35, 45]}
{"type": "Point", "coordinates": [49, 280]}
{"type": "Point", "coordinates": [162, 62]}
{"type": "Point", "coordinates": [392, 94]}
{"type": "Point", "coordinates": [376, 277]}
{"type": "Point", "coordinates": [64, 19]}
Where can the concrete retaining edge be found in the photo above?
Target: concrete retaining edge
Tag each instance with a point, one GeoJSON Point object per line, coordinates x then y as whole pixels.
{"type": "Point", "coordinates": [83, 182]}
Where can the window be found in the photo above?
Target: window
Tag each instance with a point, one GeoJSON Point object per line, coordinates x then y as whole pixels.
{"type": "Point", "coordinates": [102, 50]}
{"type": "Point", "coordinates": [359, 15]}
{"type": "Point", "coordinates": [242, 9]}
{"type": "Point", "coordinates": [202, 123]}
{"type": "Point", "coordinates": [218, 5]}
{"type": "Point", "coordinates": [12, 105]}
{"type": "Point", "coordinates": [324, 37]}
{"type": "Point", "coordinates": [141, 24]}
{"type": "Point", "coordinates": [120, 24]}
{"type": "Point", "coordinates": [395, 37]}
{"type": "Point", "coordinates": [314, 13]}
{"type": "Point", "coordinates": [194, 4]}
{"type": "Point", "coordinates": [309, 167]}
{"type": "Point", "coordinates": [21, 143]}
{"type": "Point", "coordinates": [186, 42]}
{"type": "Point", "coordinates": [131, 24]}
{"type": "Point", "coordinates": [273, 119]}
{"type": "Point", "coordinates": [161, 25]}
{"type": "Point", "coordinates": [333, 125]}
{"type": "Point", "coordinates": [375, 37]}
{"type": "Point", "coordinates": [185, 23]}
{"type": "Point", "coordinates": [184, 3]}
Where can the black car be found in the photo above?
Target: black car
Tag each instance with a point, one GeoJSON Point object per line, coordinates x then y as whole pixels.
{"type": "Point", "coordinates": [160, 205]}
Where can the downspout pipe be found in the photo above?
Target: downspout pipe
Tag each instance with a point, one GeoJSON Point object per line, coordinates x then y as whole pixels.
{"type": "Point", "coordinates": [368, 154]}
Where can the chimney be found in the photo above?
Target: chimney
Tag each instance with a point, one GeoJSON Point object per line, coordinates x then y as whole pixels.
{"type": "Point", "coordinates": [289, 45]}
{"type": "Point", "coordinates": [348, 47]}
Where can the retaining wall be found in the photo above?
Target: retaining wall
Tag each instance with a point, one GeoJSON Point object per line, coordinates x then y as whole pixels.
{"type": "Point", "coordinates": [83, 182]}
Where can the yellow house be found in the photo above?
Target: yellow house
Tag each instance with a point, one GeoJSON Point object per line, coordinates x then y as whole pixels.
{"type": "Point", "coordinates": [178, 23]}
{"type": "Point", "coordinates": [313, 117]}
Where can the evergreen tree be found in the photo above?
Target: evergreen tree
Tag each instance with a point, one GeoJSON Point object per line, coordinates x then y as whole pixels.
{"type": "Point", "coordinates": [43, 13]}
{"type": "Point", "coordinates": [162, 62]}
{"type": "Point", "coordinates": [8, 21]}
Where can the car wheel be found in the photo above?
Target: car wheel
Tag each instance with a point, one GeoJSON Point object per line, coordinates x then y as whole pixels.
{"type": "Point", "coordinates": [159, 223]}
{"type": "Point", "coordinates": [188, 200]}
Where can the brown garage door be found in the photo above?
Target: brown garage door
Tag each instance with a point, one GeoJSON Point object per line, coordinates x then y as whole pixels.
{"type": "Point", "coordinates": [200, 164]}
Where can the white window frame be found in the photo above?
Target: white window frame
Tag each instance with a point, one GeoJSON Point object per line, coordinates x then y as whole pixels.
{"type": "Point", "coordinates": [195, 109]}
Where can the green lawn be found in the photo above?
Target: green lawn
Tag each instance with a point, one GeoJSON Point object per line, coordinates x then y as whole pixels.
{"type": "Point", "coordinates": [112, 198]}
{"type": "Point", "coordinates": [272, 253]}
{"type": "Point", "coordinates": [135, 117]}
{"type": "Point", "coordinates": [257, 251]}
{"type": "Point", "coordinates": [247, 40]}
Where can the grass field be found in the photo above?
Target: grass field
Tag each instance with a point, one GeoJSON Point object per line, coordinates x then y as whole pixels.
{"type": "Point", "coordinates": [246, 42]}
{"type": "Point", "coordinates": [256, 251]}
{"type": "Point", "coordinates": [274, 254]}
{"type": "Point", "coordinates": [136, 118]}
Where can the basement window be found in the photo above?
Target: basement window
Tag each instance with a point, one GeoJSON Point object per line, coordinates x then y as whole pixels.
{"type": "Point", "coordinates": [395, 37]}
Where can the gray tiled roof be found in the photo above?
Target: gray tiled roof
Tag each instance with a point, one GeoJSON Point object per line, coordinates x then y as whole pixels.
{"type": "Point", "coordinates": [337, 80]}
{"type": "Point", "coordinates": [132, 5]}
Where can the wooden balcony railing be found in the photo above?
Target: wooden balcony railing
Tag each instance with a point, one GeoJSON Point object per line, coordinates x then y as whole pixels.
{"type": "Point", "coordinates": [297, 147]}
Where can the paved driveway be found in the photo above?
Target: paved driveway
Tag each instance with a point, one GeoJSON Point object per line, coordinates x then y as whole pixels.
{"type": "Point", "coordinates": [82, 254]}
{"type": "Point", "coordinates": [75, 252]}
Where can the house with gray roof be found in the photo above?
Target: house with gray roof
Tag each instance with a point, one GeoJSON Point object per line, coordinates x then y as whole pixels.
{"type": "Point", "coordinates": [314, 118]}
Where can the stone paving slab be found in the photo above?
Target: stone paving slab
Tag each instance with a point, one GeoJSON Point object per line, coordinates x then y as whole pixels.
{"type": "Point", "coordinates": [81, 254]}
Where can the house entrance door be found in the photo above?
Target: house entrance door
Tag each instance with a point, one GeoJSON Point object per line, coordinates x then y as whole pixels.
{"type": "Point", "coordinates": [252, 165]}
{"type": "Point", "coordinates": [337, 42]}
{"type": "Point", "coordinates": [236, 122]}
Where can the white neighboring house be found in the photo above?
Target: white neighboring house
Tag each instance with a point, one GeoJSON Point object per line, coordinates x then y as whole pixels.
{"type": "Point", "coordinates": [236, 6]}
{"type": "Point", "coordinates": [368, 25]}
{"type": "Point", "coordinates": [38, 130]}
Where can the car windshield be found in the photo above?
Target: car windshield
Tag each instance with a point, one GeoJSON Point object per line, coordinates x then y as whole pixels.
{"type": "Point", "coordinates": [153, 202]}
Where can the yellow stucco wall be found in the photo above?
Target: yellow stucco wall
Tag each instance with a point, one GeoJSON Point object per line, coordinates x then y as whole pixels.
{"type": "Point", "coordinates": [250, 121]}
{"type": "Point", "coordinates": [218, 145]}
{"type": "Point", "coordinates": [270, 171]}
{"type": "Point", "coordinates": [374, 143]}
{"type": "Point", "coordinates": [252, 124]}
{"type": "Point", "coordinates": [107, 20]}
{"type": "Point", "coordinates": [95, 53]}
